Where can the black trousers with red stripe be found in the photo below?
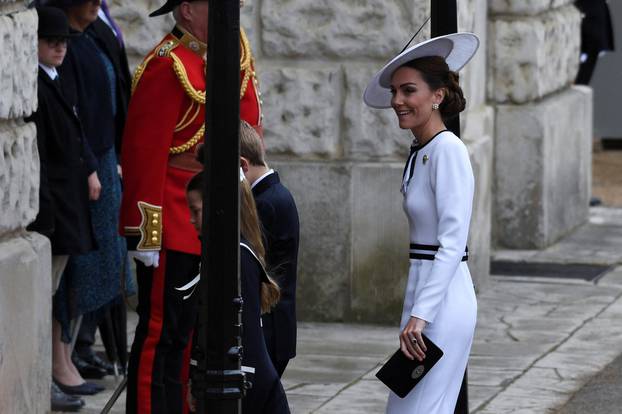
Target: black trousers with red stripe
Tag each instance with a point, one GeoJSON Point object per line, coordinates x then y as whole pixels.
{"type": "Point", "coordinates": [162, 337]}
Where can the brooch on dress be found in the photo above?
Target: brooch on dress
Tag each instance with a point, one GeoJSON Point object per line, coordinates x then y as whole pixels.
{"type": "Point", "coordinates": [425, 159]}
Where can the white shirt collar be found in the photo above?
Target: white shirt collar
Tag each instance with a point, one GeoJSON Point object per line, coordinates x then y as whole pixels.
{"type": "Point", "coordinates": [267, 173]}
{"type": "Point", "coordinates": [50, 70]}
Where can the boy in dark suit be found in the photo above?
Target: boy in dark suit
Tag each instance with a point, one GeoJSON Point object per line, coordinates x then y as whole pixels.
{"type": "Point", "coordinates": [67, 180]}
{"type": "Point", "coordinates": [280, 227]}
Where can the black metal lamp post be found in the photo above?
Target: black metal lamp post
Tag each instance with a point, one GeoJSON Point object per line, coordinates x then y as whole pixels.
{"type": "Point", "coordinates": [445, 21]}
{"type": "Point", "coordinates": [218, 382]}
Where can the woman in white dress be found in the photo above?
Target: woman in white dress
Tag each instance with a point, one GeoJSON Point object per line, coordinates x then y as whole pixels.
{"type": "Point", "coordinates": [421, 85]}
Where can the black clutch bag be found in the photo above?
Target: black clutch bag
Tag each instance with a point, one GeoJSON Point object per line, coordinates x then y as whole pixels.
{"type": "Point", "coordinates": [401, 374]}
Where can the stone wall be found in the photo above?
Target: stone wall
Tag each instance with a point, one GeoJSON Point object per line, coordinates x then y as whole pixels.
{"type": "Point", "coordinates": [543, 128]}
{"type": "Point", "coordinates": [342, 160]}
{"type": "Point", "coordinates": [25, 283]}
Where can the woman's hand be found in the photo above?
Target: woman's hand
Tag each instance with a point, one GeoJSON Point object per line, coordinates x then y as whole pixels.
{"type": "Point", "coordinates": [411, 341]}
{"type": "Point", "coordinates": [95, 186]}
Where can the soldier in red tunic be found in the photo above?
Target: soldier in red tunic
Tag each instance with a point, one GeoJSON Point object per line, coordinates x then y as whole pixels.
{"type": "Point", "coordinates": [164, 125]}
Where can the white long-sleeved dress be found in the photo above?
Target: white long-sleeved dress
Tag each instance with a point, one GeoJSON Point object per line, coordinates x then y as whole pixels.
{"type": "Point", "coordinates": [438, 195]}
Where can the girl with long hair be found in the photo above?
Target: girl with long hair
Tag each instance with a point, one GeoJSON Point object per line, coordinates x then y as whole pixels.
{"type": "Point", "coordinates": [260, 294]}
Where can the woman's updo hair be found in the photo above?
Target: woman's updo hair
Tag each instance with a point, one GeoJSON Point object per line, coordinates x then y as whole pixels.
{"type": "Point", "coordinates": [437, 75]}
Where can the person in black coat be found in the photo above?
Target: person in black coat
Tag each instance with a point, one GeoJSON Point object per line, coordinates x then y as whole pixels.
{"type": "Point", "coordinates": [65, 164]}
{"type": "Point", "coordinates": [111, 319]}
{"type": "Point", "coordinates": [596, 36]}
{"type": "Point", "coordinates": [89, 82]}
{"type": "Point", "coordinates": [267, 394]}
{"type": "Point", "coordinates": [67, 180]}
{"type": "Point", "coordinates": [260, 294]}
{"type": "Point", "coordinates": [108, 37]}
{"type": "Point", "coordinates": [280, 226]}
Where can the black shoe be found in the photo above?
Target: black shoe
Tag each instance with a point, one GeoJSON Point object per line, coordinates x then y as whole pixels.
{"type": "Point", "coordinates": [87, 388]}
{"type": "Point", "coordinates": [64, 402]}
{"type": "Point", "coordinates": [93, 359]}
{"type": "Point", "coordinates": [87, 370]}
{"type": "Point", "coordinates": [595, 201]}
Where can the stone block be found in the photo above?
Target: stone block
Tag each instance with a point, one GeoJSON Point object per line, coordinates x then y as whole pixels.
{"type": "Point", "coordinates": [524, 7]}
{"type": "Point", "coordinates": [11, 6]}
{"type": "Point", "coordinates": [477, 133]}
{"type": "Point", "coordinates": [370, 134]}
{"type": "Point", "coordinates": [323, 196]}
{"type": "Point", "coordinates": [340, 29]}
{"type": "Point", "coordinates": [472, 17]}
{"type": "Point", "coordinates": [25, 325]}
{"type": "Point", "coordinates": [379, 243]}
{"type": "Point", "coordinates": [19, 175]}
{"type": "Point", "coordinates": [302, 110]}
{"type": "Point", "coordinates": [18, 80]}
{"type": "Point", "coordinates": [469, 12]}
{"type": "Point", "coordinates": [530, 57]}
{"type": "Point", "coordinates": [542, 169]}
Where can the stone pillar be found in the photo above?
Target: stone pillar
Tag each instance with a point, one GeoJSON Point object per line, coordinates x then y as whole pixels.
{"type": "Point", "coordinates": [543, 124]}
{"type": "Point", "coordinates": [25, 282]}
{"type": "Point", "coordinates": [341, 160]}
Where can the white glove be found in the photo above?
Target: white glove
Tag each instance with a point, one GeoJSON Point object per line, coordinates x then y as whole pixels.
{"type": "Point", "coordinates": [150, 258]}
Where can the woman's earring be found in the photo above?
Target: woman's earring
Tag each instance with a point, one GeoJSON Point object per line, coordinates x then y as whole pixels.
{"type": "Point", "coordinates": [434, 106]}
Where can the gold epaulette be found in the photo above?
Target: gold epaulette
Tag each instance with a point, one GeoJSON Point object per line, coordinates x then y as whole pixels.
{"type": "Point", "coordinates": [150, 229]}
{"type": "Point", "coordinates": [164, 49]}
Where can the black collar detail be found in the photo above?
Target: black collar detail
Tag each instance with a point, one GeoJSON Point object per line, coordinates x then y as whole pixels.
{"type": "Point", "coordinates": [419, 147]}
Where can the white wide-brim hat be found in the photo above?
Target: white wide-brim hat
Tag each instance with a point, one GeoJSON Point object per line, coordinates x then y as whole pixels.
{"type": "Point", "coordinates": [456, 48]}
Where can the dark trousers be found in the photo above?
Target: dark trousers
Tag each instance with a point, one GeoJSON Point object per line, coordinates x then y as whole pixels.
{"type": "Point", "coordinates": [111, 319]}
{"type": "Point", "coordinates": [86, 334]}
{"type": "Point", "coordinates": [164, 328]}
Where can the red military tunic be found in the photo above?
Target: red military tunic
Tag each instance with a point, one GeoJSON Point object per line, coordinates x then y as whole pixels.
{"type": "Point", "coordinates": [165, 122]}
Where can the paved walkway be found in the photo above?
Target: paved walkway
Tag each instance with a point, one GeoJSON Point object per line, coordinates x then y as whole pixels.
{"type": "Point", "coordinates": [538, 341]}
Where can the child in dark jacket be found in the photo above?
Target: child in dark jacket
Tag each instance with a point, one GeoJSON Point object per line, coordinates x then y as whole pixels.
{"type": "Point", "coordinates": [67, 180]}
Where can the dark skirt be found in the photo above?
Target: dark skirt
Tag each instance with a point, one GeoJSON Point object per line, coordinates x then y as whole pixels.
{"type": "Point", "coordinates": [94, 279]}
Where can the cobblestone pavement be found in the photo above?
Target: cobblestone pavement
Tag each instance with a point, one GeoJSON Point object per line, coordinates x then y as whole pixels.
{"type": "Point", "coordinates": [538, 341]}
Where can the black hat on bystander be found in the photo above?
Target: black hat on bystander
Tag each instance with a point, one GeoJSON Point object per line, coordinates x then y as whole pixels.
{"type": "Point", "coordinates": [168, 7]}
{"type": "Point", "coordinates": [53, 23]}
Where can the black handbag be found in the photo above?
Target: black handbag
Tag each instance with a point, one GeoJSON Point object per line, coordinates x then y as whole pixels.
{"type": "Point", "coordinates": [401, 374]}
